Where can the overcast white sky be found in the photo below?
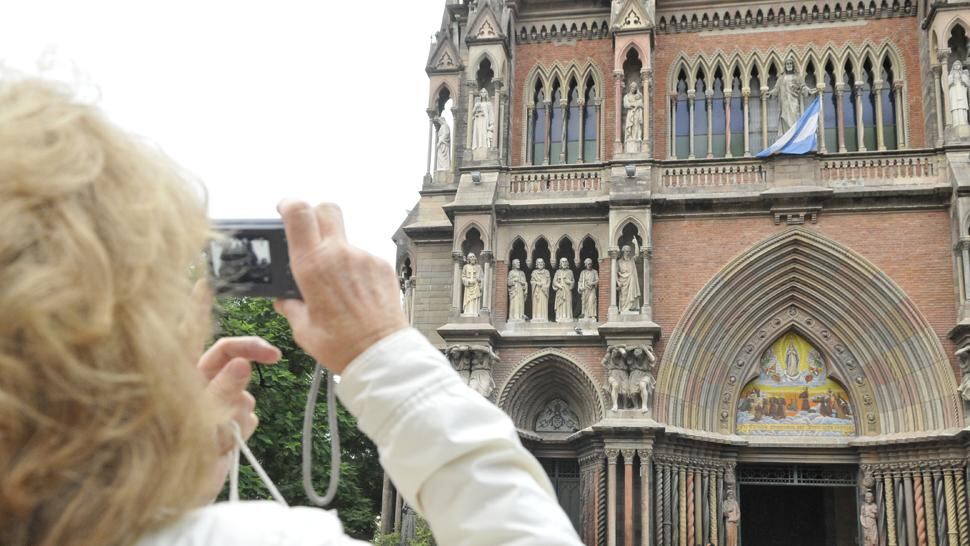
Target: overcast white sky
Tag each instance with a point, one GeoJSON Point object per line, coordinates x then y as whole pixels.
{"type": "Point", "coordinates": [320, 100]}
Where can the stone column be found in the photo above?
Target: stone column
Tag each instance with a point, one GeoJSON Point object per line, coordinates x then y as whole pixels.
{"type": "Point", "coordinates": [682, 505]}
{"type": "Point", "coordinates": [962, 517]}
{"type": "Point", "coordinates": [472, 87]}
{"type": "Point", "coordinates": [938, 85]}
{"type": "Point", "coordinates": [644, 496]}
{"type": "Point", "coordinates": [673, 127]}
{"type": "Point", "coordinates": [910, 507]}
{"type": "Point", "coordinates": [487, 280]}
{"type": "Point", "coordinates": [840, 90]}
{"type": "Point", "coordinates": [764, 116]}
{"type": "Point", "coordinates": [668, 505]}
{"type": "Point", "coordinates": [880, 138]}
{"type": "Point", "coordinates": [618, 92]}
{"type": "Point", "coordinates": [646, 85]}
{"type": "Point", "coordinates": [529, 140]}
{"type": "Point", "coordinates": [646, 309]}
{"type": "Point", "coordinates": [564, 114]}
{"type": "Point", "coordinates": [611, 456]}
{"type": "Point", "coordinates": [628, 497]}
{"type": "Point", "coordinates": [431, 115]}
{"type": "Point", "coordinates": [860, 130]}
{"type": "Point", "coordinates": [952, 524]}
{"type": "Point", "coordinates": [691, 508]}
{"type": "Point", "coordinates": [582, 130]}
{"type": "Point", "coordinates": [658, 503]}
{"type": "Point", "coordinates": [698, 507]}
{"type": "Point", "coordinates": [928, 493]}
{"type": "Point", "coordinates": [387, 507]}
{"type": "Point", "coordinates": [712, 505]}
{"type": "Point", "coordinates": [547, 142]}
{"type": "Point", "coordinates": [501, 98]}
{"type": "Point", "coordinates": [614, 305]}
{"type": "Point", "coordinates": [745, 97]}
{"type": "Point", "coordinates": [728, 93]}
{"type": "Point", "coordinates": [919, 505]}
{"type": "Point", "coordinates": [963, 247]}
{"type": "Point", "coordinates": [590, 468]}
{"type": "Point", "coordinates": [398, 508]}
{"type": "Point", "coordinates": [889, 494]}
{"type": "Point", "coordinates": [900, 119]}
{"type": "Point", "coordinates": [598, 107]}
{"type": "Point", "coordinates": [709, 101]}
{"type": "Point", "coordinates": [691, 95]}
{"type": "Point", "coordinates": [943, 55]}
{"type": "Point", "coordinates": [456, 280]}
{"type": "Point", "coordinates": [820, 89]}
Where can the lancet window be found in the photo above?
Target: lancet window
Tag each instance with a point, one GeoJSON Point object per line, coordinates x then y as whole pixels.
{"type": "Point", "coordinates": [563, 113]}
{"type": "Point", "coordinates": [732, 107]}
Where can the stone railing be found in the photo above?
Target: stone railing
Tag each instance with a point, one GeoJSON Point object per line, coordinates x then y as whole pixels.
{"type": "Point", "coordinates": [712, 175]}
{"type": "Point", "coordinates": [573, 180]}
{"type": "Point", "coordinates": [915, 167]}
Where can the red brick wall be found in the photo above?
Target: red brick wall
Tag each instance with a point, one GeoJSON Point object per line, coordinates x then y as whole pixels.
{"type": "Point", "coordinates": [904, 32]}
{"type": "Point", "coordinates": [600, 52]}
{"type": "Point", "coordinates": [912, 248]}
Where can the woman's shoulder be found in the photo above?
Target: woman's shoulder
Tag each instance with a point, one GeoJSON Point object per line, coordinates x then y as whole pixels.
{"type": "Point", "coordinates": [261, 523]}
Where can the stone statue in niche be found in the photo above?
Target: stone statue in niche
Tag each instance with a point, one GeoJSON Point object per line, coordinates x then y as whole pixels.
{"type": "Point", "coordinates": [471, 279]}
{"type": "Point", "coordinates": [557, 417]}
{"type": "Point", "coordinates": [868, 518]}
{"type": "Point", "coordinates": [629, 375]}
{"type": "Point", "coordinates": [482, 121]}
{"type": "Point", "coordinates": [474, 365]}
{"type": "Point", "coordinates": [589, 281]}
{"type": "Point", "coordinates": [443, 146]}
{"type": "Point", "coordinates": [563, 285]}
{"type": "Point", "coordinates": [518, 291]}
{"type": "Point", "coordinates": [627, 281]}
{"type": "Point", "coordinates": [407, 287]}
{"type": "Point", "coordinates": [540, 292]}
{"type": "Point", "coordinates": [732, 515]}
{"type": "Point", "coordinates": [964, 356]}
{"type": "Point", "coordinates": [958, 85]}
{"type": "Point", "coordinates": [789, 89]}
{"type": "Point", "coordinates": [633, 108]}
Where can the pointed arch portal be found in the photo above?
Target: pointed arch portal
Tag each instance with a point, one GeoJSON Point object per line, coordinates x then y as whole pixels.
{"type": "Point", "coordinates": [877, 342]}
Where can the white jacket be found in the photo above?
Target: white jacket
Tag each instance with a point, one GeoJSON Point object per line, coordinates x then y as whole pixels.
{"type": "Point", "coordinates": [453, 455]}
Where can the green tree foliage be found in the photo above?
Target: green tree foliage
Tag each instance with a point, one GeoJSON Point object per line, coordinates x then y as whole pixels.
{"type": "Point", "coordinates": [281, 394]}
{"type": "Point", "coordinates": [422, 536]}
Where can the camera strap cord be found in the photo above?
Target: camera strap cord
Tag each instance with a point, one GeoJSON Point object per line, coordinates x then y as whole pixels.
{"type": "Point", "coordinates": [311, 404]}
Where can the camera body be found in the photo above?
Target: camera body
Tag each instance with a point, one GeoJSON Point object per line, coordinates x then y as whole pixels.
{"type": "Point", "coordinates": [251, 259]}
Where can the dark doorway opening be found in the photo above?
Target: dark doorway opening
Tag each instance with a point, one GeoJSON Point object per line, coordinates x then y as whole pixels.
{"type": "Point", "coordinates": [564, 475]}
{"type": "Point", "coordinates": [786, 515]}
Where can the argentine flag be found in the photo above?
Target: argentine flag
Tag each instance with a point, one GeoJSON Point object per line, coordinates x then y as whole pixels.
{"type": "Point", "coordinates": [801, 138]}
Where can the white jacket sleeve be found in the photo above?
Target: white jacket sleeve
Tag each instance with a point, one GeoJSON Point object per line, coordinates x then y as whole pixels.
{"type": "Point", "coordinates": [453, 455]}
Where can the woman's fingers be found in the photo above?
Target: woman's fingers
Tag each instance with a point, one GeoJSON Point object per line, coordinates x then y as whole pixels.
{"type": "Point", "coordinates": [228, 348]}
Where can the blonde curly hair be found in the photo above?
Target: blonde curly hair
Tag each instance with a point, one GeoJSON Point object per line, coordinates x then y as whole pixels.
{"type": "Point", "coordinates": [105, 429]}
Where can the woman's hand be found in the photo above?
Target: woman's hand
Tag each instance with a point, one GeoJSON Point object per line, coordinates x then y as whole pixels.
{"type": "Point", "coordinates": [227, 368]}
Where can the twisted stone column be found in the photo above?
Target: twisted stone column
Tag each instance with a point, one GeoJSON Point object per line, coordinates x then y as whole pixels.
{"type": "Point", "coordinates": [690, 508]}
{"type": "Point", "coordinates": [601, 512]}
{"type": "Point", "coordinates": [920, 510]}
{"type": "Point", "coordinates": [961, 493]}
{"type": "Point", "coordinates": [668, 507]}
{"type": "Point", "coordinates": [682, 506]}
{"type": "Point", "coordinates": [949, 489]}
{"type": "Point", "coordinates": [658, 501]}
{"type": "Point", "coordinates": [930, 508]}
{"type": "Point", "coordinates": [890, 510]}
{"type": "Point", "coordinates": [712, 506]}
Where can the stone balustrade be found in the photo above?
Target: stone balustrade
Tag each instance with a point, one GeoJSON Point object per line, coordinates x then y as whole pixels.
{"type": "Point", "coordinates": [584, 180]}
{"type": "Point", "coordinates": [890, 169]}
{"type": "Point", "coordinates": [709, 175]}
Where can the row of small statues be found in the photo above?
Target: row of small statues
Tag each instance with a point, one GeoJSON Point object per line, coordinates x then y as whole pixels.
{"type": "Point", "coordinates": [562, 283]}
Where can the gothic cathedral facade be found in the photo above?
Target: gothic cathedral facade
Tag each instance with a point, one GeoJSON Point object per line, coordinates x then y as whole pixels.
{"type": "Point", "coordinates": [701, 345]}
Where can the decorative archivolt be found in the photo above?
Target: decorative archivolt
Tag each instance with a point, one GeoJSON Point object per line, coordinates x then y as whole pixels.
{"type": "Point", "coordinates": [782, 15]}
{"type": "Point", "coordinates": [553, 245]}
{"type": "Point", "coordinates": [880, 344]}
{"type": "Point", "coordinates": [706, 66]}
{"type": "Point", "coordinates": [547, 375]}
{"type": "Point", "coordinates": [564, 77]}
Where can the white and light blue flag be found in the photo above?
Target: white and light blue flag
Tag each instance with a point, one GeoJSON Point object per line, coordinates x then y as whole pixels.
{"type": "Point", "coordinates": [801, 138]}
